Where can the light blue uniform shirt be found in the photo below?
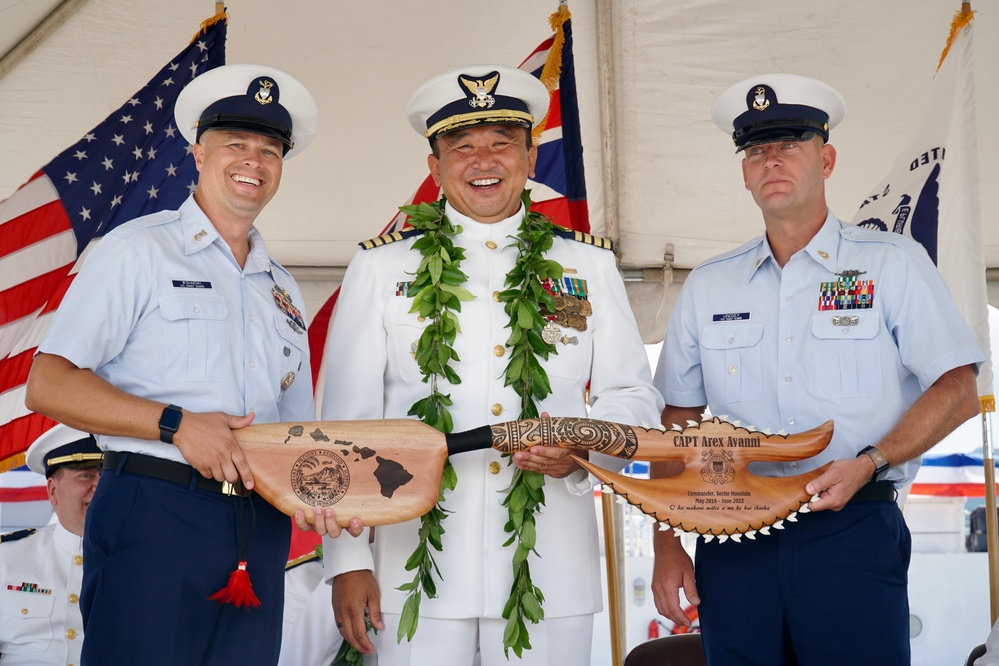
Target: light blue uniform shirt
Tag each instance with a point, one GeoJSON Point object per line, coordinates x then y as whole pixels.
{"type": "Point", "coordinates": [162, 310]}
{"type": "Point", "coordinates": [754, 342]}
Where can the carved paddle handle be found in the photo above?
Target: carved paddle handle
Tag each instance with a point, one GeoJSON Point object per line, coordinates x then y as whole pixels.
{"type": "Point", "coordinates": [613, 439]}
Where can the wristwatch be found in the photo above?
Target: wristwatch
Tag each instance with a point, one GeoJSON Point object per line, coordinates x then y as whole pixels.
{"type": "Point", "coordinates": [169, 423]}
{"type": "Point", "coordinates": [881, 464]}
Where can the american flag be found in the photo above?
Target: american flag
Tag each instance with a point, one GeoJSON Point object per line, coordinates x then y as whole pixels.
{"type": "Point", "coordinates": [134, 163]}
{"type": "Point", "coordinates": [558, 189]}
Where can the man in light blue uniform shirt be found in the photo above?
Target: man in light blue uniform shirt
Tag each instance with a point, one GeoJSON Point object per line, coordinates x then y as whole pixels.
{"type": "Point", "coordinates": [187, 308]}
{"type": "Point", "coordinates": [816, 320]}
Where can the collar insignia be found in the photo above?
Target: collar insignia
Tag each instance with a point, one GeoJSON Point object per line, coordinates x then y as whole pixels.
{"type": "Point", "coordinates": [480, 90]}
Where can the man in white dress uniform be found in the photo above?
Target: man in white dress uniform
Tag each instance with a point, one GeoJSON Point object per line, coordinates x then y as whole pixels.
{"type": "Point", "coordinates": [478, 120]}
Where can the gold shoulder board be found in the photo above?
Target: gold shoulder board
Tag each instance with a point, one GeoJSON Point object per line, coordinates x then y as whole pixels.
{"type": "Point", "coordinates": [587, 239]}
{"type": "Point", "coordinates": [391, 237]}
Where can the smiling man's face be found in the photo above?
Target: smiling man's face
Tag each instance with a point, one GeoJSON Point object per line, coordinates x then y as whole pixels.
{"type": "Point", "coordinates": [483, 170]}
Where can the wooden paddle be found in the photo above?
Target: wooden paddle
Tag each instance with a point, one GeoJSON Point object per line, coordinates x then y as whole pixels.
{"type": "Point", "coordinates": [389, 471]}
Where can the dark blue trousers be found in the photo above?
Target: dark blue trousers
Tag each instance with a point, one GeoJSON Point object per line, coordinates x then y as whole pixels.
{"type": "Point", "coordinates": [154, 551]}
{"type": "Point", "coordinates": [830, 589]}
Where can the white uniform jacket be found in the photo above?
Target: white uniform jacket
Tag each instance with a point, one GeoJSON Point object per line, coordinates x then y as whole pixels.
{"type": "Point", "coordinates": [372, 374]}
{"type": "Point", "coordinates": [40, 578]}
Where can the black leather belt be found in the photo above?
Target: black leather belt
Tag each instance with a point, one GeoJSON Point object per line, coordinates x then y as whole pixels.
{"type": "Point", "coordinates": [872, 491]}
{"type": "Point", "coordinates": [168, 470]}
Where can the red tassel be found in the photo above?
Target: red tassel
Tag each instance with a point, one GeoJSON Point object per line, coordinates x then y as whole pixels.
{"type": "Point", "coordinates": [238, 591]}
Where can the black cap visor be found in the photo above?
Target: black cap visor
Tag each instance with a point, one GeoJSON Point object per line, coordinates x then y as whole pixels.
{"type": "Point", "coordinates": [252, 124]}
{"type": "Point", "coordinates": [797, 129]}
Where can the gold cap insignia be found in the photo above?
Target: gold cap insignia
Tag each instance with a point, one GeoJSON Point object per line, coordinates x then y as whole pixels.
{"type": "Point", "coordinates": [481, 90]}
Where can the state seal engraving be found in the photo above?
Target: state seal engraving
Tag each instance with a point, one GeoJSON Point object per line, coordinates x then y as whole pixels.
{"type": "Point", "coordinates": [320, 478]}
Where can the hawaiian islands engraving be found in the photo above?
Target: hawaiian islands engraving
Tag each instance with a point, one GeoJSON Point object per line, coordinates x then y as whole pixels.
{"type": "Point", "coordinates": [391, 475]}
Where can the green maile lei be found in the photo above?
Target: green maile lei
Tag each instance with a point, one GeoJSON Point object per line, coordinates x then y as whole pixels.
{"type": "Point", "coordinates": [437, 294]}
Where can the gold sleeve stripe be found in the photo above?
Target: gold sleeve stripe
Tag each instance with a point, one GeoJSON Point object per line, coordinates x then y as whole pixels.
{"type": "Point", "coordinates": [301, 559]}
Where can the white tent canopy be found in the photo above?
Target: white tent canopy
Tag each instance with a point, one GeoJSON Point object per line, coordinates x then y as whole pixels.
{"type": "Point", "coordinates": [677, 181]}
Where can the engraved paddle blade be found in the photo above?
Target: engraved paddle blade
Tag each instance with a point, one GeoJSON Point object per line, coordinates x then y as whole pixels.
{"type": "Point", "coordinates": [716, 494]}
{"type": "Point", "coordinates": [383, 472]}
{"type": "Point", "coordinates": [684, 502]}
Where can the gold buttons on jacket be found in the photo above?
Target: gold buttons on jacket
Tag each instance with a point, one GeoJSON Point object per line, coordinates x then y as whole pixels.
{"type": "Point", "coordinates": [78, 559]}
{"type": "Point", "coordinates": [499, 350]}
{"type": "Point", "coordinates": [494, 467]}
{"type": "Point", "coordinates": [74, 599]}
{"type": "Point", "coordinates": [71, 634]}
{"type": "Point", "coordinates": [496, 296]}
{"type": "Point", "coordinates": [491, 245]}
{"type": "Point", "coordinates": [24, 611]}
{"type": "Point", "coordinates": [497, 409]}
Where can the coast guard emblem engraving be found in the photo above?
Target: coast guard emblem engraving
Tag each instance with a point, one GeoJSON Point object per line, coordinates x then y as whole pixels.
{"type": "Point", "coordinates": [718, 467]}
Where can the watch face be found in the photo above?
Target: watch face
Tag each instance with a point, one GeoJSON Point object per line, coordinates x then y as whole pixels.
{"type": "Point", "coordinates": [880, 462]}
{"type": "Point", "coordinates": [170, 419]}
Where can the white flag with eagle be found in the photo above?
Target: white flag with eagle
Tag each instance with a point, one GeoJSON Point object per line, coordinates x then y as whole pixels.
{"type": "Point", "coordinates": [932, 195]}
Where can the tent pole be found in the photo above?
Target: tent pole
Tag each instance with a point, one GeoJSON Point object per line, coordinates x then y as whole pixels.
{"type": "Point", "coordinates": [991, 519]}
{"type": "Point", "coordinates": [612, 543]}
{"type": "Point", "coordinates": [38, 34]}
{"type": "Point", "coordinates": [608, 126]}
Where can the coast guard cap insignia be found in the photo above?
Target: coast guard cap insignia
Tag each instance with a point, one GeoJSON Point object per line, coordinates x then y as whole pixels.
{"type": "Point", "coordinates": [263, 95]}
{"type": "Point", "coordinates": [760, 101]}
{"type": "Point", "coordinates": [480, 90]}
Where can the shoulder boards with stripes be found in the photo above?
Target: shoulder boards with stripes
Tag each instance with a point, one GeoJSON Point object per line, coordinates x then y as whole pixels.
{"type": "Point", "coordinates": [14, 536]}
{"type": "Point", "coordinates": [588, 239]}
{"type": "Point", "coordinates": [391, 237]}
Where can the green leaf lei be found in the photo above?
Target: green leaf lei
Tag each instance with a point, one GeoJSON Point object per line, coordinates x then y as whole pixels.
{"type": "Point", "coordinates": [437, 293]}
{"type": "Point", "coordinates": [524, 299]}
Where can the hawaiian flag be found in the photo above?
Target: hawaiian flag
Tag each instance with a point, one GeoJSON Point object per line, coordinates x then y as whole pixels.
{"type": "Point", "coordinates": [134, 163]}
{"type": "Point", "coordinates": [558, 189]}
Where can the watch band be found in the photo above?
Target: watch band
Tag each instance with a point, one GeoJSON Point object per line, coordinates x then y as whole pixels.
{"type": "Point", "coordinates": [169, 423]}
{"type": "Point", "coordinates": [881, 464]}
